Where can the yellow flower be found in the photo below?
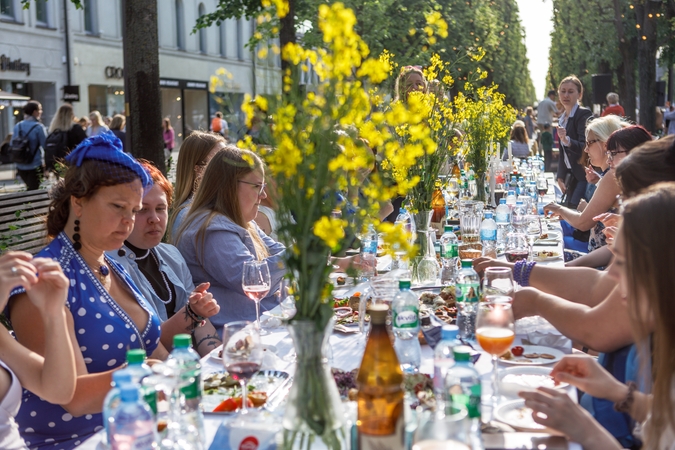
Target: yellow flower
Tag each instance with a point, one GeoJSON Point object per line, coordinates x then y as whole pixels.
{"type": "Point", "coordinates": [330, 230]}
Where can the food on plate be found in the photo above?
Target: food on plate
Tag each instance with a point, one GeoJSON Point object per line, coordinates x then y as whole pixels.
{"type": "Point", "coordinates": [345, 381]}
{"type": "Point", "coordinates": [257, 398]}
{"type": "Point", "coordinates": [232, 404]}
{"type": "Point", "coordinates": [531, 355]}
{"type": "Point", "coordinates": [449, 294]}
{"type": "Point", "coordinates": [340, 302]}
{"type": "Point", "coordinates": [543, 236]}
{"type": "Point", "coordinates": [218, 380]}
{"type": "Point", "coordinates": [517, 350]}
{"type": "Point", "coordinates": [507, 356]}
{"type": "Point", "coordinates": [340, 281]}
{"type": "Point", "coordinates": [427, 298]}
{"type": "Point", "coordinates": [546, 254]}
{"type": "Point", "coordinates": [546, 356]}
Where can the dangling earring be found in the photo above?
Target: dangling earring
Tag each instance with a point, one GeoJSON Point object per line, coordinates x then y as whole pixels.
{"type": "Point", "coordinates": [121, 253]}
{"type": "Point", "coordinates": [77, 245]}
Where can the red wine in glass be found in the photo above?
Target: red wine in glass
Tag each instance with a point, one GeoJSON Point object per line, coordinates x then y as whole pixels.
{"type": "Point", "coordinates": [242, 371]}
{"type": "Point", "coordinates": [516, 255]}
{"type": "Point", "coordinates": [542, 192]}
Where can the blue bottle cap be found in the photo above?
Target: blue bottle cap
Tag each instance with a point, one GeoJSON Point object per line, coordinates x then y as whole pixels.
{"type": "Point", "coordinates": [449, 332]}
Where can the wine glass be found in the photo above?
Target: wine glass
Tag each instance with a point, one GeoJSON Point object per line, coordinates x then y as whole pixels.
{"type": "Point", "coordinates": [242, 354]}
{"type": "Point", "coordinates": [516, 247]}
{"type": "Point", "coordinates": [498, 281]}
{"type": "Point", "coordinates": [533, 232]}
{"type": "Point", "coordinates": [255, 280]}
{"type": "Point", "coordinates": [542, 188]}
{"type": "Point", "coordinates": [495, 332]}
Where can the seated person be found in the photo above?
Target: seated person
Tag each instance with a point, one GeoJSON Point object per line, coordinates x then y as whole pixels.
{"type": "Point", "coordinates": [162, 275]}
{"type": "Point", "coordinates": [219, 234]}
{"type": "Point", "coordinates": [520, 146]}
{"type": "Point", "coordinates": [52, 377]}
{"type": "Point", "coordinates": [92, 211]}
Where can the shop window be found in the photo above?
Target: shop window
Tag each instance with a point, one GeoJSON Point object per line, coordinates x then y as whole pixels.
{"type": "Point", "coordinates": [108, 100]}
{"type": "Point", "coordinates": [41, 14]}
{"type": "Point", "coordinates": [196, 110]}
{"type": "Point", "coordinates": [172, 107]}
{"type": "Point", "coordinates": [180, 25]}
{"type": "Point", "coordinates": [90, 22]}
{"type": "Point", "coordinates": [7, 9]}
{"type": "Point", "coordinates": [240, 40]}
{"type": "Point", "coordinates": [202, 31]}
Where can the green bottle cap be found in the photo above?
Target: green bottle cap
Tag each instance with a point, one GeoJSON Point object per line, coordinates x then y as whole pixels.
{"type": "Point", "coordinates": [467, 263]}
{"type": "Point", "coordinates": [404, 284]}
{"type": "Point", "coordinates": [447, 228]}
{"type": "Point", "coordinates": [462, 353]}
{"type": "Point", "coordinates": [135, 356]}
{"type": "Point", "coordinates": [182, 341]}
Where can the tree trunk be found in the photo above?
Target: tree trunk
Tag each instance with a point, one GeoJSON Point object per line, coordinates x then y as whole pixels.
{"type": "Point", "coordinates": [628, 50]}
{"type": "Point", "coordinates": [647, 63]}
{"type": "Point", "coordinates": [287, 31]}
{"type": "Point", "coordinates": [141, 81]}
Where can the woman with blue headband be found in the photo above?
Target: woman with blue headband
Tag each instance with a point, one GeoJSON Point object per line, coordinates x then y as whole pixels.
{"type": "Point", "coordinates": [92, 211]}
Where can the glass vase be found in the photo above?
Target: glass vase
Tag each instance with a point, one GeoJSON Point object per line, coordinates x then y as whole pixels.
{"type": "Point", "coordinates": [313, 409]}
{"type": "Point", "coordinates": [424, 239]}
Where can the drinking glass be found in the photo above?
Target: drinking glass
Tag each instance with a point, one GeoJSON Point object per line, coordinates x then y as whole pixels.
{"type": "Point", "coordinates": [242, 354]}
{"type": "Point", "coordinates": [495, 332]}
{"type": "Point", "coordinates": [516, 247]}
{"type": "Point", "coordinates": [542, 188]}
{"type": "Point", "coordinates": [255, 280]}
{"type": "Point", "coordinates": [533, 232]}
{"type": "Point", "coordinates": [498, 281]}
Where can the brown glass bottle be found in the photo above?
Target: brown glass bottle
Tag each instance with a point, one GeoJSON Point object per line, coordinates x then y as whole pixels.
{"type": "Point", "coordinates": [380, 383]}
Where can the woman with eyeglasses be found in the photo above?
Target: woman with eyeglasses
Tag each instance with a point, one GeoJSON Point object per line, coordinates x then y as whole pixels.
{"type": "Point", "coordinates": [219, 233]}
{"type": "Point", "coordinates": [598, 133]}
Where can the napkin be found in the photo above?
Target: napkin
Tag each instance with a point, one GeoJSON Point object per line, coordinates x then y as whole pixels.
{"type": "Point", "coordinates": [257, 429]}
{"type": "Point", "coordinates": [539, 331]}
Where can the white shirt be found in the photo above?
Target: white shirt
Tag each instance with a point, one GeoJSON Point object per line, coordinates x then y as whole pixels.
{"type": "Point", "coordinates": [545, 111]}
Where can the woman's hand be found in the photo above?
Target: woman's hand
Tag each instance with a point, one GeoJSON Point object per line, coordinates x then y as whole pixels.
{"type": "Point", "coordinates": [591, 175]}
{"type": "Point", "coordinates": [562, 414]}
{"type": "Point", "coordinates": [608, 219]}
{"type": "Point", "coordinates": [552, 208]}
{"type": "Point", "coordinates": [482, 263]}
{"type": "Point", "coordinates": [610, 233]}
{"type": "Point", "coordinates": [202, 302]}
{"type": "Point", "coordinates": [16, 269]}
{"type": "Point", "coordinates": [585, 373]}
{"type": "Point", "coordinates": [50, 293]}
{"type": "Point", "coordinates": [562, 136]}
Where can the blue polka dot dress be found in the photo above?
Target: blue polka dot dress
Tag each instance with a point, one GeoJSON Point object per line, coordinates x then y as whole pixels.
{"type": "Point", "coordinates": [104, 333]}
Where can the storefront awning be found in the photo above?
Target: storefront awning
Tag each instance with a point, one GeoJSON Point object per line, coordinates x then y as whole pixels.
{"type": "Point", "coordinates": [11, 100]}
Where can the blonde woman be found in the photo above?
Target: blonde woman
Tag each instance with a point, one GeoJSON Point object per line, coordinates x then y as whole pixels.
{"type": "Point", "coordinates": [97, 125]}
{"type": "Point", "coordinates": [64, 135]}
{"type": "Point", "coordinates": [219, 233]}
{"type": "Point", "coordinates": [195, 153]}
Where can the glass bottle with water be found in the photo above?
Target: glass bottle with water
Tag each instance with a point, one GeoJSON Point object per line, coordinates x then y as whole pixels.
{"type": "Point", "coordinates": [191, 370]}
{"type": "Point", "coordinates": [428, 269]}
{"type": "Point", "coordinates": [449, 255]}
{"type": "Point", "coordinates": [132, 426]}
{"type": "Point", "coordinates": [369, 253]}
{"type": "Point", "coordinates": [112, 399]}
{"type": "Point", "coordinates": [519, 219]}
{"type": "Point", "coordinates": [468, 293]}
{"type": "Point", "coordinates": [463, 390]}
{"type": "Point", "coordinates": [443, 360]}
{"type": "Point", "coordinates": [503, 220]}
{"type": "Point", "coordinates": [406, 326]}
{"type": "Point", "coordinates": [488, 236]}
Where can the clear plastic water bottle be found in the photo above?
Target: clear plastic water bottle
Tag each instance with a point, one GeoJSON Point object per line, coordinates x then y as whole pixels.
{"type": "Point", "coordinates": [503, 220]}
{"type": "Point", "coordinates": [468, 294]}
{"type": "Point", "coordinates": [444, 359]}
{"type": "Point", "coordinates": [139, 370]}
{"type": "Point", "coordinates": [488, 236]}
{"type": "Point", "coordinates": [519, 219]}
{"type": "Point", "coordinates": [463, 390]}
{"type": "Point", "coordinates": [191, 370]}
{"type": "Point", "coordinates": [521, 186]}
{"type": "Point", "coordinates": [369, 253]}
{"type": "Point", "coordinates": [112, 399]}
{"type": "Point", "coordinates": [511, 199]}
{"type": "Point", "coordinates": [406, 326]}
{"type": "Point", "coordinates": [406, 221]}
{"type": "Point", "coordinates": [132, 425]}
{"type": "Point", "coordinates": [449, 255]}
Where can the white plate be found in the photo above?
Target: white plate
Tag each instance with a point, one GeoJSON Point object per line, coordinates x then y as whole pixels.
{"type": "Point", "coordinates": [518, 416]}
{"type": "Point", "coordinates": [214, 353]}
{"type": "Point", "coordinates": [518, 379]}
{"type": "Point", "coordinates": [557, 255]}
{"type": "Point", "coordinates": [531, 349]}
{"type": "Point", "coordinates": [553, 235]}
{"type": "Point", "coordinates": [348, 281]}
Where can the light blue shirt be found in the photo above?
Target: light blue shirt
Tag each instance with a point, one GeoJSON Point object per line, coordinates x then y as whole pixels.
{"type": "Point", "coordinates": [220, 261]}
{"type": "Point", "coordinates": [172, 264]}
{"type": "Point", "coordinates": [36, 139]}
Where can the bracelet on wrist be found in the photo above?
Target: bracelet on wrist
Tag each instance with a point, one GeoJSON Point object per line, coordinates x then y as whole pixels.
{"type": "Point", "coordinates": [625, 405]}
{"type": "Point", "coordinates": [526, 272]}
{"type": "Point", "coordinates": [196, 318]}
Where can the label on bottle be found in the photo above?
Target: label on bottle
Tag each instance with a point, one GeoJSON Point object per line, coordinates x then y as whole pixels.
{"type": "Point", "coordinates": [488, 235]}
{"type": "Point", "coordinates": [193, 390]}
{"type": "Point", "coordinates": [394, 441]}
{"type": "Point", "coordinates": [406, 318]}
{"type": "Point", "coordinates": [370, 246]}
{"type": "Point", "coordinates": [150, 397]}
{"type": "Point", "coordinates": [450, 250]}
{"type": "Point", "coordinates": [468, 292]}
{"type": "Point", "coordinates": [469, 400]}
{"type": "Point", "coordinates": [503, 217]}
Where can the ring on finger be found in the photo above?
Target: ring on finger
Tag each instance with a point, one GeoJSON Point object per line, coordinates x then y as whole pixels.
{"type": "Point", "coordinates": [14, 270]}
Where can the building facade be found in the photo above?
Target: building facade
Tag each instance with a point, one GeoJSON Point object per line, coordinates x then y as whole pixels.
{"type": "Point", "coordinates": [88, 54]}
